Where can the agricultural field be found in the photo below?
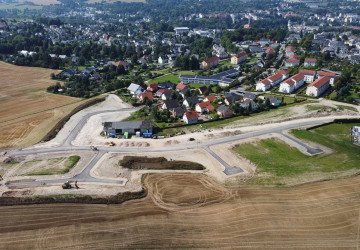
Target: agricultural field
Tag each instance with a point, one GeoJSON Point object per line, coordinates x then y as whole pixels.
{"type": "Point", "coordinates": [38, 166]}
{"type": "Point", "coordinates": [41, 2]}
{"type": "Point", "coordinates": [288, 166]}
{"type": "Point", "coordinates": [192, 211]}
{"type": "Point", "coordinates": [26, 107]}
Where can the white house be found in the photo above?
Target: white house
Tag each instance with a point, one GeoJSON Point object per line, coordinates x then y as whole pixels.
{"type": "Point", "coordinates": [291, 62]}
{"type": "Point", "coordinates": [274, 101]}
{"type": "Point", "coordinates": [308, 74]}
{"type": "Point", "coordinates": [269, 82]}
{"type": "Point", "coordinates": [331, 75]}
{"type": "Point", "coordinates": [318, 87]}
{"type": "Point", "coordinates": [180, 30]}
{"type": "Point", "coordinates": [135, 89]}
{"type": "Point", "coordinates": [292, 83]}
{"type": "Point", "coordinates": [309, 62]}
{"type": "Point", "coordinates": [248, 102]}
{"type": "Point", "coordinates": [163, 60]}
{"type": "Point", "coordinates": [263, 85]}
{"type": "Point", "coordinates": [285, 73]}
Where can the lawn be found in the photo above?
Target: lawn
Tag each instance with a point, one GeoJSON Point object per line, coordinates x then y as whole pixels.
{"type": "Point", "coordinates": [174, 78]}
{"type": "Point", "coordinates": [279, 164]}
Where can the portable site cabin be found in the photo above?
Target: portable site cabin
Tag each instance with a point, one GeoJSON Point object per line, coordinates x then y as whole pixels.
{"type": "Point", "coordinates": [355, 135]}
{"type": "Point", "coordinates": [127, 128]}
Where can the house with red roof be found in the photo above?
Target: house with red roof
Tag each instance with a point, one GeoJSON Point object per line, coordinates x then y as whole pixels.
{"type": "Point", "coordinates": [269, 82]}
{"type": "Point", "coordinates": [182, 87]}
{"type": "Point", "coordinates": [149, 95]}
{"type": "Point", "coordinates": [331, 75]}
{"type": "Point", "coordinates": [210, 98]}
{"type": "Point", "coordinates": [204, 107]}
{"type": "Point", "coordinates": [239, 58]}
{"type": "Point", "coordinates": [292, 62]}
{"type": "Point", "coordinates": [318, 87]}
{"type": "Point", "coordinates": [270, 50]}
{"type": "Point", "coordinates": [309, 74]}
{"type": "Point", "coordinates": [123, 63]}
{"type": "Point", "coordinates": [190, 117]}
{"type": "Point", "coordinates": [289, 51]}
{"type": "Point", "coordinates": [309, 62]}
{"type": "Point", "coordinates": [210, 62]}
{"type": "Point", "coordinates": [162, 91]}
{"type": "Point", "coordinates": [291, 84]}
{"type": "Point", "coordinates": [152, 87]}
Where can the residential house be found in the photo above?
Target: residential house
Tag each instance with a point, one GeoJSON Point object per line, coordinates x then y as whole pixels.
{"type": "Point", "coordinates": [292, 62]}
{"type": "Point", "coordinates": [70, 72]}
{"type": "Point", "coordinates": [231, 98]}
{"type": "Point", "coordinates": [274, 101]}
{"type": "Point", "coordinates": [291, 84]}
{"type": "Point", "coordinates": [152, 87]}
{"type": "Point", "coordinates": [270, 50]}
{"type": "Point", "coordinates": [289, 51]}
{"type": "Point", "coordinates": [166, 85]}
{"type": "Point", "coordinates": [190, 117]}
{"type": "Point", "coordinates": [163, 59]}
{"type": "Point", "coordinates": [191, 101]}
{"type": "Point", "coordinates": [285, 73]}
{"type": "Point", "coordinates": [170, 105]}
{"type": "Point", "coordinates": [202, 90]}
{"type": "Point", "coordinates": [250, 103]}
{"type": "Point", "coordinates": [210, 98]}
{"type": "Point", "coordinates": [181, 86]}
{"type": "Point", "coordinates": [249, 96]}
{"type": "Point", "coordinates": [166, 95]}
{"type": "Point", "coordinates": [318, 87]}
{"type": "Point", "coordinates": [224, 111]}
{"type": "Point", "coordinates": [224, 78]}
{"type": "Point", "coordinates": [123, 63]}
{"type": "Point", "coordinates": [162, 91]}
{"type": "Point", "coordinates": [204, 107]}
{"type": "Point", "coordinates": [135, 89]}
{"type": "Point", "coordinates": [239, 58]}
{"type": "Point", "coordinates": [269, 82]}
{"type": "Point", "coordinates": [310, 62]}
{"type": "Point", "coordinates": [178, 112]}
{"type": "Point", "coordinates": [210, 62]}
{"type": "Point", "coordinates": [149, 95]}
{"type": "Point", "coordinates": [331, 75]}
{"type": "Point", "coordinates": [309, 74]}
{"type": "Point", "coordinates": [121, 128]}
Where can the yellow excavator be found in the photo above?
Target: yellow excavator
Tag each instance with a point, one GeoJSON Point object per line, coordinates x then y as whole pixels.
{"type": "Point", "coordinates": [66, 185]}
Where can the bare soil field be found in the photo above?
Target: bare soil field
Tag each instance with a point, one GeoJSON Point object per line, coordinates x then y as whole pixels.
{"type": "Point", "coordinates": [26, 106]}
{"type": "Point", "coordinates": [192, 211]}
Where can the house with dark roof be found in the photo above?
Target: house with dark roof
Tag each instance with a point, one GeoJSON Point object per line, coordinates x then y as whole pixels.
{"type": "Point", "coordinates": [162, 91]}
{"type": "Point", "coordinates": [166, 95]}
{"type": "Point", "coordinates": [248, 103]}
{"type": "Point", "coordinates": [120, 128]}
{"type": "Point", "coordinates": [170, 104]}
{"type": "Point", "coordinates": [166, 85]}
{"type": "Point", "coordinates": [178, 112]}
{"type": "Point", "coordinates": [274, 101]}
{"type": "Point", "coordinates": [190, 117]}
{"type": "Point", "coordinates": [191, 101]}
{"type": "Point", "coordinates": [224, 111]}
{"type": "Point", "coordinates": [152, 87]}
{"type": "Point", "coordinates": [202, 90]}
{"type": "Point", "coordinates": [249, 96]}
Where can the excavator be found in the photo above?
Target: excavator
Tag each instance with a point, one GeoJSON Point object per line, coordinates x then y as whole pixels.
{"type": "Point", "coordinates": [66, 185]}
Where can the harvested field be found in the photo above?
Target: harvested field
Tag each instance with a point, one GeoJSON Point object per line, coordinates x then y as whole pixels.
{"type": "Point", "coordinates": [191, 211]}
{"type": "Point", "coordinates": [25, 104]}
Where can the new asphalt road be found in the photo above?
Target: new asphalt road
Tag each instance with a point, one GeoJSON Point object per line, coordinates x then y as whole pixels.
{"type": "Point", "coordinates": [85, 176]}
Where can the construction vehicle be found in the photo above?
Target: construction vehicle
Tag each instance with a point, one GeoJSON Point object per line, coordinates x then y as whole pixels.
{"type": "Point", "coordinates": [66, 185]}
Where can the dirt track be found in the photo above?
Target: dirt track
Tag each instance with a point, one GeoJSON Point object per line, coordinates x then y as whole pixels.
{"type": "Point", "coordinates": [191, 211]}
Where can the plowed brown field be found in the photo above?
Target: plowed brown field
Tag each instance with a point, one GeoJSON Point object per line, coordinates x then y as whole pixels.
{"type": "Point", "coordinates": [25, 104]}
{"type": "Point", "coordinates": [191, 211]}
